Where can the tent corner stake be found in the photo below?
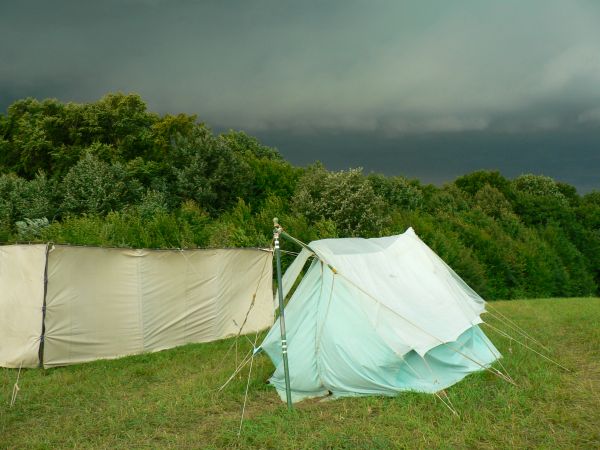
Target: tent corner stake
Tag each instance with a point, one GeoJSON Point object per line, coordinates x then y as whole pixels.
{"type": "Point", "coordinates": [288, 392]}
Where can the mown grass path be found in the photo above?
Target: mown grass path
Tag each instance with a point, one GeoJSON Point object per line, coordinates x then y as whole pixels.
{"type": "Point", "coordinates": [170, 400]}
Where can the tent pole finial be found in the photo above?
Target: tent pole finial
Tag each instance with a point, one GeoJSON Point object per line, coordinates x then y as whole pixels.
{"type": "Point", "coordinates": [276, 232]}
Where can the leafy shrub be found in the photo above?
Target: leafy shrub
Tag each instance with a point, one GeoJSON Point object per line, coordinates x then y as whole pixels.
{"type": "Point", "coordinates": [346, 198]}
{"type": "Point", "coordinates": [475, 181]}
{"type": "Point", "coordinates": [92, 186]}
{"type": "Point", "coordinates": [539, 200]}
{"type": "Point", "coordinates": [493, 203]}
{"type": "Point", "coordinates": [30, 229]}
{"type": "Point", "coordinates": [153, 203]}
{"type": "Point", "coordinates": [207, 171]}
{"type": "Point", "coordinates": [20, 198]}
{"type": "Point", "coordinates": [398, 192]}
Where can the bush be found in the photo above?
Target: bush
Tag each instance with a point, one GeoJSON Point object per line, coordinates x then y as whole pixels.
{"type": "Point", "coordinates": [92, 186]}
{"type": "Point", "coordinates": [493, 203]}
{"type": "Point", "coordinates": [346, 198]}
{"type": "Point", "coordinates": [208, 172]}
{"type": "Point", "coordinates": [398, 192]}
{"type": "Point", "coordinates": [20, 198]}
{"type": "Point", "coordinates": [29, 229]}
{"type": "Point", "coordinates": [473, 182]}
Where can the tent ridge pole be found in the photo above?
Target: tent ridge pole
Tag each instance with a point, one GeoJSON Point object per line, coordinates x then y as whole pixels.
{"type": "Point", "coordinates": [288, 393]}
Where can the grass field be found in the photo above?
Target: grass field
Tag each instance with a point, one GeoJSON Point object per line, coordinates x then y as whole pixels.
{"type": "Point", "coordinates": [170, 399]}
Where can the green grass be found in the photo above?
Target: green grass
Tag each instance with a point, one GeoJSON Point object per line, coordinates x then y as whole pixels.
{"type": "Point", "coordinates": [170, 399]}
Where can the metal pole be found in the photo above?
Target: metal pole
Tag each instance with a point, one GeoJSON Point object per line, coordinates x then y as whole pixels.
{"type": "Point", "coordinates": [288, 392]}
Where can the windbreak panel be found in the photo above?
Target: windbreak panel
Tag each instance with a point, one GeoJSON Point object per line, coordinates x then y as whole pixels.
{"type": "Point", "coordinates": [21, 300]}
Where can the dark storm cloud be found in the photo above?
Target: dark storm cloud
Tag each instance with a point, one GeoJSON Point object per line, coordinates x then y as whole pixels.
{"type": "Point", "coordinates": [392, 66]}
{"type": "Point", "coordinates": [571, 157]}
{"type": "Point", "coordinates": [392, 70]}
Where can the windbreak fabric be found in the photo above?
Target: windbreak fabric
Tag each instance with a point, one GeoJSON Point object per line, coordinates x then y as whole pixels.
{"type": "Point", "coordinates": [93, 305]}
{"type": "Point", "coordinates": [21, 301]}
{"type": "Point", "coordinates": [379, 316]}
{"type": "Point", "coordinates": [107, 302]}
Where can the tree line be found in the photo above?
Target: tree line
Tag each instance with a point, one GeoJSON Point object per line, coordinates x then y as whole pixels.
{"type": "Point", "coordinates": [113, 173]}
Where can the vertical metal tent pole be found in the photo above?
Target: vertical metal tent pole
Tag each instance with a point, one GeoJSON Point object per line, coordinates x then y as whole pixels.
{"type": "Point", "coordinates": [288, 391]}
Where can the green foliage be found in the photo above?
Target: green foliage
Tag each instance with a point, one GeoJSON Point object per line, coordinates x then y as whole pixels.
{"type": "Point", "coordinates": [112, 173]}
{"type": "Point", "coordinates": [120, 121]}
{"type": "Point", "coordinates": [20, 198]}
{"type": "Point", "coordinates": [347, 198]}
{"type": "Point", "coordinates": [447, 200]}
{"type": "Point", "coordinates": [271, 177]}
{"type": "Point", "coordinates": [29, 134]}
{"type": "Point", "coordinates": [127, 229]}
{"type": "Point", "coordinates": [49, 135]}
{"type": "Point", "coordinates": [207, 171]}
{"type": "Point", "coordinates": [30, 229]}
{"type": "Point", "coordinates": [475, 181]}
{"type": "Point", "coordinates": [539, 200]}
{"type": "Point", "coordinates": [577, 277]}
{"type": "Point", "coordinates": [493, 203]}
{"type": "Point", "coordinates": [539, 185]}
{"type": "Point", "coordinates": [92, 186]}
{"type": "Point", "coordinates": [153, 203]}
{"type": "Point", "coordinates": [397, 192]}
{"type": "Point", "coordinates": [240, 142]}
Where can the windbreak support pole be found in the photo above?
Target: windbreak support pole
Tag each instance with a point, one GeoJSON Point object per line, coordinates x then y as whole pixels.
{"type": "Point", "coordinates": [276, 233]}
{"type": "Point", "coordinates": [43, 335]}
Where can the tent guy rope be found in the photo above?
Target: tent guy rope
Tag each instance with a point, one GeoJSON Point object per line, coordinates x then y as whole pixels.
{"type": "Point", "coordinates": [505, 376]}
{"type": "Point", "coordinates": [16, 388]}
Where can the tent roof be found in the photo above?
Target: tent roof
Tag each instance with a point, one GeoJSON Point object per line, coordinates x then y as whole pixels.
{"type": "Point", "coordinates": [430, 303]}
{"type": "Point", "coordinates": [377, 316]}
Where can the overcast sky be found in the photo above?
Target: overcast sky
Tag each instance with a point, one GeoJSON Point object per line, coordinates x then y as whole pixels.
{"type": "Point", "coordinates": [428, 89]}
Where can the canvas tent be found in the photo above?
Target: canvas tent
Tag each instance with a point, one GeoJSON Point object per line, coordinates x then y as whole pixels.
{"type": "Point", "coordinates": [63, 305]}
{"type": "Point", "coordinates": [377, 316]}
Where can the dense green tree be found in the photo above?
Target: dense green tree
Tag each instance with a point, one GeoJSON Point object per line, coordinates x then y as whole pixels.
{"type": "Point", "coordinates": [240, 142]}
{"type": "Point", "coordinates": [92, 186]}
{"type": "Point", "coordinates": [493, 203]}
{"type": "Point", "coordinates": [112, 173]}
{"type": "Point", "coordinates": [474, 181]}
{"type": "Point", "coordinates": [347, 198]}
{"type": "Point", "coordinates": [397, 191]}
{"type": "Point", "coordinates": [539, 200]}
{"type": "Point", "coordinates": [207, 171]}
{"type": "Point", "coordinates": [21, 198]}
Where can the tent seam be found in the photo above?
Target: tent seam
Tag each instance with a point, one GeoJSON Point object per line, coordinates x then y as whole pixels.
{"type": "Point", "coordinates": [140, 302]}
{"type": "Point", "coordinates": [43, 335]}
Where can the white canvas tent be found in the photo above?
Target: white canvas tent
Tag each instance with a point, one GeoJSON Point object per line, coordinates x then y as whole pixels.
{"type": "Point", "coordinates": [377, 316]}
{"type": "Point", "coordinates": [63, 305]}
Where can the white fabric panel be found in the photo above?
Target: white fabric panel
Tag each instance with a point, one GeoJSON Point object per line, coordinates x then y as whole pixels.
{"type": "Point", "coordinates": [21, 300]}
{"type": "Point", "coordinates": [291, 275]}
{"type": "Point", "coordinates": [431, 304]}
{"type": "Point", "coordinates": [244, 272]}
{"type": "Point", "coordinates": [93, 305]}
{"type": "Point", "coordinates": [178, 292]}
{"type": "Point", "coordinates": [208, 293]}
{"type": "Point", "coordinates": [106, 303]}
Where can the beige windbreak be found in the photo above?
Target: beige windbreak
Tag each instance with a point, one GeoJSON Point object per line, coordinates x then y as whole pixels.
{"type": "Point", "coordinates": [21, 301]}
{"type": "Point", "coordinates": [106, 302]}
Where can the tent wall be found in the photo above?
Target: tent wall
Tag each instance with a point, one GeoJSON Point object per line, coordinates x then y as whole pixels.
{"type": "Point", "coordinates": [377, 316]}
{"type": "Point", "coordinates": [106, 303]}
{"type": "Point", "coordinates": [21, 300]}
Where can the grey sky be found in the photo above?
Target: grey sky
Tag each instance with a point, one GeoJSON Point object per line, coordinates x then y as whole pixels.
{"type": "Point", "coordinates": [421, 75]}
